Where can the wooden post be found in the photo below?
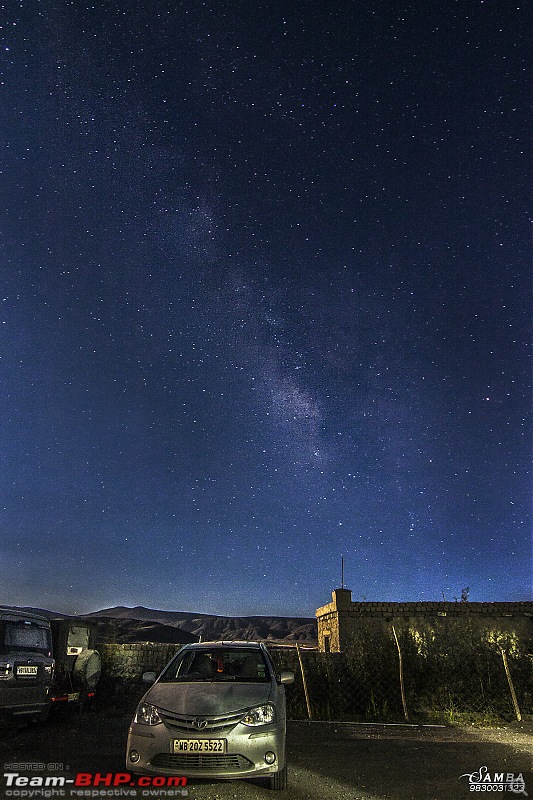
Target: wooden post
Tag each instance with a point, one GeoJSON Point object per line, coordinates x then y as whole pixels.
{"type": "Point", "coordinates": [510, 682]}
{"type": "Point", "coordinates": [402, 689]}
{"type": "Point", "coordinates": [309, 713]}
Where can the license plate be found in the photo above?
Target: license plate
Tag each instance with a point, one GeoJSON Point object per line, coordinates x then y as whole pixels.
{"type": "Point", "coordinates": [73, 696]}
{"type": "Point", "coordinates": [27, 670]}
{"type": "Point", "coordinates": [199, 746]}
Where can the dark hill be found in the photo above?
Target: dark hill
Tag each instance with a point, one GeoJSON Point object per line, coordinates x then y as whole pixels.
{"type": "Point", "coordinates": [126, 631]}
{"type": "Point", "coordinates": [209, 627]}
{"type": "Point", "coordinates": [126, 625]}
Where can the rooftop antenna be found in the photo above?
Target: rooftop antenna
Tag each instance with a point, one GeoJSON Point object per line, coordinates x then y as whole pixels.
{"type": "Point", "coordinates": [342, 572]}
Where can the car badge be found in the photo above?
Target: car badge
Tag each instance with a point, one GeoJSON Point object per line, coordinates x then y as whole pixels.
{"type": "Point", "coordinates": [200, 723]}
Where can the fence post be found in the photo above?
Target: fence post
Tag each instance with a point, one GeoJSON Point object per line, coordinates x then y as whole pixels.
{"type": "Point", "coordinates": [510, 682]}
{"type": "Point", "coordinates": [400, 663]}
{"type": "Point", "coordinates": [309, 713]}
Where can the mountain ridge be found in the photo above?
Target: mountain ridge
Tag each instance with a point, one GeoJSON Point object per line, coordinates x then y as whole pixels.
{"type": "Point", "coordinates": [123, 624]}
{"type": "Point", "coordinates": [210, 627]}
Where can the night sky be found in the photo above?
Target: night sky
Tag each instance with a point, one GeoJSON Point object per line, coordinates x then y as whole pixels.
{"type": "Point", "coordinates": [265, 275]}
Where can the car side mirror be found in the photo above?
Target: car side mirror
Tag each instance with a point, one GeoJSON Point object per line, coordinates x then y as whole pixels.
{"type": "Point", "coordinates": [149, 677]}
{"type": "Point", "coordinates": [286, 677]}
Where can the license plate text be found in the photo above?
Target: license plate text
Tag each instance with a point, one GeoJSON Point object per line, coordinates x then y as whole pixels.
{"type": "Point", "coordinates": [199, 745]}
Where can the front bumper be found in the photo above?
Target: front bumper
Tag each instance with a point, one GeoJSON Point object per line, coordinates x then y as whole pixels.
{"type": "Point", "coordinates": [244, 757]}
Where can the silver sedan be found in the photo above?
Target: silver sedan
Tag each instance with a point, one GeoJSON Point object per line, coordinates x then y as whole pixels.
{"type": "Point", "coordinates": [216, 711]}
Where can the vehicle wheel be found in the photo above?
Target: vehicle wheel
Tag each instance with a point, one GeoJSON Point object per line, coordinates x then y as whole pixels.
{"type": "Point", "coordinates": [278, 780]}
{"type": "Point", "coordinates": [87, 668]}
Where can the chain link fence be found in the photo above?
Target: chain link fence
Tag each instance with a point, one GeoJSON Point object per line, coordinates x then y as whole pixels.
{"type": "Point", "coordinates": [389, 675]}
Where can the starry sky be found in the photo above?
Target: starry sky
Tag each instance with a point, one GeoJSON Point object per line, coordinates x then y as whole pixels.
{"type": "Point", "coordinates": [265, 303]}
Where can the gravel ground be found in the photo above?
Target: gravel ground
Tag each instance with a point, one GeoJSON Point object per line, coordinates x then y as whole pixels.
{"type": "Point", "coordinates": [341, 761]}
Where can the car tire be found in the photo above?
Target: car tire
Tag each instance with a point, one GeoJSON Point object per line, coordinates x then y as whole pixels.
{"type": "Point", "coordinates": [278, 781]}
{"type": "Point", "coordinates": [87, 668]}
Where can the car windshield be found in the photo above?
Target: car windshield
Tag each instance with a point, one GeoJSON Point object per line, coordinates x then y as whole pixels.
{"type": "Point", "coordinates": [218, 664]}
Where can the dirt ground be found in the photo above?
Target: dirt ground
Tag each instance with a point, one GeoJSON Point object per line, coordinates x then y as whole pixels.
{"type": "Point", "coordinates": [326, 760]}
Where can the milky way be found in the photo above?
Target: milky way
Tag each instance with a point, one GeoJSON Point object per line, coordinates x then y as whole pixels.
{"type": "Point", "coordinates": [265, 278]}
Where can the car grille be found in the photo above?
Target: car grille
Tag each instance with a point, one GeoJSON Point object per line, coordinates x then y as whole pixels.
{"type": "Point", "coordinates": [208, 762]}
{"type": "Point", "coordinates": [185, 724]}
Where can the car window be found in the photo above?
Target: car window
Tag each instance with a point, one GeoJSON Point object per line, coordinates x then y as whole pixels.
{"type": "Point", "coordinates": [24, 635]}
{"type": "Point", "coordinates": [218, 664]}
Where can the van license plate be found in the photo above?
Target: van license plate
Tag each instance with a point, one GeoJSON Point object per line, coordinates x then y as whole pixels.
{"type": "Point", "coordinates": [27, 670]}
{"type": "Point", "coordinates": [199, 745]}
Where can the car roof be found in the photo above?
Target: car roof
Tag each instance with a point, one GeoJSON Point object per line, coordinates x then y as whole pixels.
{"type": "Point", "coordinates": [15, 614]}
{"type": "Point", "coordinates": [244, 645]}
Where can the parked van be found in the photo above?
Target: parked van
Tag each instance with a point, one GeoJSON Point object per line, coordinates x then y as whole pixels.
{"type": "Point", "coordinates": [26, 665]}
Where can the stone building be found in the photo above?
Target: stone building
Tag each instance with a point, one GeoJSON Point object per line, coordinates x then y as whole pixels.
{"type": "Point", "coordinates": [339, 619]}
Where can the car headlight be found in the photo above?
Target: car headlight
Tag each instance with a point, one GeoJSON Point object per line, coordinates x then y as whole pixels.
{"type": "Point", "coordinates": [260, 715]}
{"type": "Point", "coordinates": [147, 714]}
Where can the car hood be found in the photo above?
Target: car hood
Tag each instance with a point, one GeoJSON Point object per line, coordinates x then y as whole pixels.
{"type": "Point", "coordinates": [207, 698]}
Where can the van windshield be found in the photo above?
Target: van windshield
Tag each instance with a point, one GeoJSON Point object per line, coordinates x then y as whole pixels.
{"type": "Point", "coordinates": [219, 664]}
{"type": "Point", "coordinates": [24, 635]}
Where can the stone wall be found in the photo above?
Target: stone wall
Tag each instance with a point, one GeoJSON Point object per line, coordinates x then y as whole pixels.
{"type": "Point", "coordinates": [131, 660]}
{"type": "Point", "coordinates": [339, 619]}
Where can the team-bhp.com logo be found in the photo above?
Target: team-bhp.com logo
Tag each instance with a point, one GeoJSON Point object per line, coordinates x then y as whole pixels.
{"type": "Point", "coordinates": [485, 781]}
{"type": "Point", "coordinates": [119, 784]}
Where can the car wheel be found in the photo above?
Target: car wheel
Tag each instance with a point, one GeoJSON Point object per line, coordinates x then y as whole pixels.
{"type": "Point", "coordinates": [278, 780]}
